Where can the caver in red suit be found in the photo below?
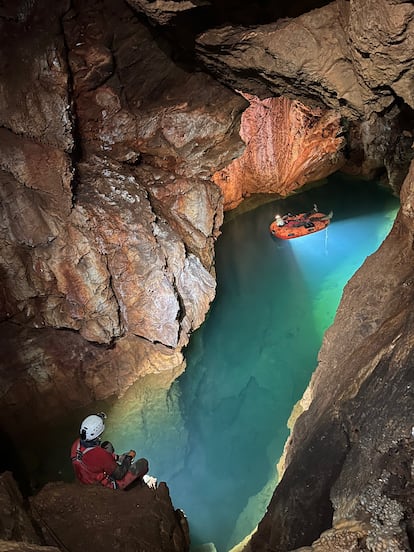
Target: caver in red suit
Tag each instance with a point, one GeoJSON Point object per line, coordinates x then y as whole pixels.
{"type": "Point", "coordinates": [94, 462]}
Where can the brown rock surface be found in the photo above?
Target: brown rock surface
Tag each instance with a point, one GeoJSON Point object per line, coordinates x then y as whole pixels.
{"type": "Point", "coordinates": [304, 58]}
{"type": "Point", "coordinates": [381, 37]}
{"type": "Point", "coordinates": [311, 57]}
{"type": "Point", "coordinates": [66, 371]}
{"type": "Point", "coordinates": [34, 98]}
{"type": "Point", "coordinates": [15, 522]}
{"type": "Point", "coordinates": [163, 12]}
{"type": "Point", "coordinates": [353, 57]}
{"type": "Point", "coordinates": [73, 517]}
{"type": "Point", "coordinates": [287, 146]}
{"type": "Point", "coordinates": [106, 520]}
{"type": "Point", "coordinates": [107, 246]}
{"type": "Point", "coordinates": [116, 242]}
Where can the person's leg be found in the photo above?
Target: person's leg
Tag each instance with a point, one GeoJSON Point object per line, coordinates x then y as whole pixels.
{"type": "Point", "coordinates": [134, 475]}
{"type": "Point", "coordinates": [139, 467]}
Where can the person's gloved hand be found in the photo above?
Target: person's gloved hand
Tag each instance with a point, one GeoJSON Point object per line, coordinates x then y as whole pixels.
{"type": "Point", "coordinates": [150, 481]}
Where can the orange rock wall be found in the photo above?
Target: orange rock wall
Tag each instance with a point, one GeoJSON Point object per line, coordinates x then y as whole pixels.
{"type": "Point", "coordinates": [287, 146]}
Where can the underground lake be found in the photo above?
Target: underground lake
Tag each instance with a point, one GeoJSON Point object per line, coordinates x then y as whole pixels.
{"type": "Point", "coordinates": [216, 435]}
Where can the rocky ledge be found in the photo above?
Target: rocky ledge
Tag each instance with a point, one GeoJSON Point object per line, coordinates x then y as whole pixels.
{"type": "Point", "coordinates": [64, 516]}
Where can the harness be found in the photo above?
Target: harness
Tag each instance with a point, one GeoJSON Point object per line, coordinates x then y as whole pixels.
{"type": "Point", "coordinates": [79, 466]}
{"type": "Point", "coordinates": [80, 453]}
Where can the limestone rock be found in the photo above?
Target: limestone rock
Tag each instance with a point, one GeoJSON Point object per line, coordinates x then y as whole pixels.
{"type": "Point", "coordinates": [304, 58]}
{"type": "Point", "coordinates": [139, 519]}
{"type": "Point", "coordinates": [347, 56]}
{"type": "Point", "coordinates": [34, 99]}
{"type": "Point", "coordinates": [352, 57]}
{"type": "Point", "coordinates": [15, 546]}
{"type": "Point", "coordinates": [56, 371]}
{"type": "Point", "coordinates": [17, 533]}
{"type": "Point", "coordinates": [163, 12]}
{"type": "Point", "coordinates": [114, 243]}
{"type": "Point", "coordinates": [172, 120]}
{"type": "Point", "coordinates": [15, 523]}
{"type": "Point", "coordinates": [382, 47]}
{"type": "Point", "coordinates": [107, 520]}
{"type": "Point", "coordinates": [287, 146]}
{"type": "Point", "coordinates": [37, 195]}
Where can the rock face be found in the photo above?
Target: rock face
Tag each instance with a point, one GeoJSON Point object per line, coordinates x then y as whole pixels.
{"type": "Point", "coordinates": [164, 12]}
{"type": "Point", "coordinates": [105, 520]}
{"type": "Point", "coordinates": [344, 56]}
{"type": "Point", "coordinates": [109, 205]}
{"type": "Point", "coordinates": [109, 214]}
{"type": "Point", "coordinates": [287, 146]}
{"type": "Point", "coordinates": [329, 55]}
{"type": "Point", "coordinates": [349, 463]}
{"type": "Point", "coordinates": [15, 522]}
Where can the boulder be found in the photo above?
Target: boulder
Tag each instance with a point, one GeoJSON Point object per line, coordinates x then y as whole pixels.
{"type": "Point", "coordinates": [76, 518]}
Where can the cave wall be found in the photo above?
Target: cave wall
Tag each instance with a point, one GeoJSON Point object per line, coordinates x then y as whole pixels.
{"type": "Point", "coordinates": [353, 57]}
{"type": "Point", "coordinates": [109, 215]}
{"type": "Point", "coordinates": [111, 198]}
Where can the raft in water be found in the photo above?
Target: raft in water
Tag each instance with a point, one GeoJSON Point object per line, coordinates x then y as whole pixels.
{"type": "Point", "coordinates": [290, 226]}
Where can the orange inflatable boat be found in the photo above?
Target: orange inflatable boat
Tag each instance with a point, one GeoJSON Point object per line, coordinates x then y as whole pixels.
{"type": "Point", "coordinates": [290, 226]}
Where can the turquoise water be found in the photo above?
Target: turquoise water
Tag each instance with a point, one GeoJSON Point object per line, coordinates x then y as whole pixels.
{"type": "Point", "coordinates": [217, 434]}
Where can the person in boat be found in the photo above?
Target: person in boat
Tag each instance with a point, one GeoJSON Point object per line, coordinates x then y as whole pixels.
{"type": "Point", "coordinates": [95, 462]}
{"type": "Point", "coordinates": [310, 214]}
{"type": "Point", "coordinates": [280, 220]}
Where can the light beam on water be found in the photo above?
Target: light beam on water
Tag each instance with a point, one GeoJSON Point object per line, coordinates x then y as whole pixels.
{"type": "Point", "coordinates": [216, 435]}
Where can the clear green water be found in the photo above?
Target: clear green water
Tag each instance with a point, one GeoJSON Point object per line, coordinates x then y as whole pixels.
{"type": "Point", "coordinates": [217, 434]}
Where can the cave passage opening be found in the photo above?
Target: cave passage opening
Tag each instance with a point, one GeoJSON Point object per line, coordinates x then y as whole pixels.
{"type": "Point", "coordinates": [216, 435]}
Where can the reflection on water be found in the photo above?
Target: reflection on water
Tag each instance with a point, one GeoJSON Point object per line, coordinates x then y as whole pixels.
{"type": "Point", "coordinates": [216, 435]}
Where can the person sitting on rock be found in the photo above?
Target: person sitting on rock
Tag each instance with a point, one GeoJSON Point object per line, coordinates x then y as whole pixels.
{"type": "Point", "coordinates": [94, 462]}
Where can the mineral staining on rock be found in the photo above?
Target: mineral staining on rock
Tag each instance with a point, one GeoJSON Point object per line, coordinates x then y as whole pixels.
{"type": "Point", "coordinates": [287, 146]}
{"type": "Point", "coordinates": [114, 240]}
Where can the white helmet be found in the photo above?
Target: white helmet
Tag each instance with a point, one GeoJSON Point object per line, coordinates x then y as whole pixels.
{"type": "Point", "coordinates": [92, 427]}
